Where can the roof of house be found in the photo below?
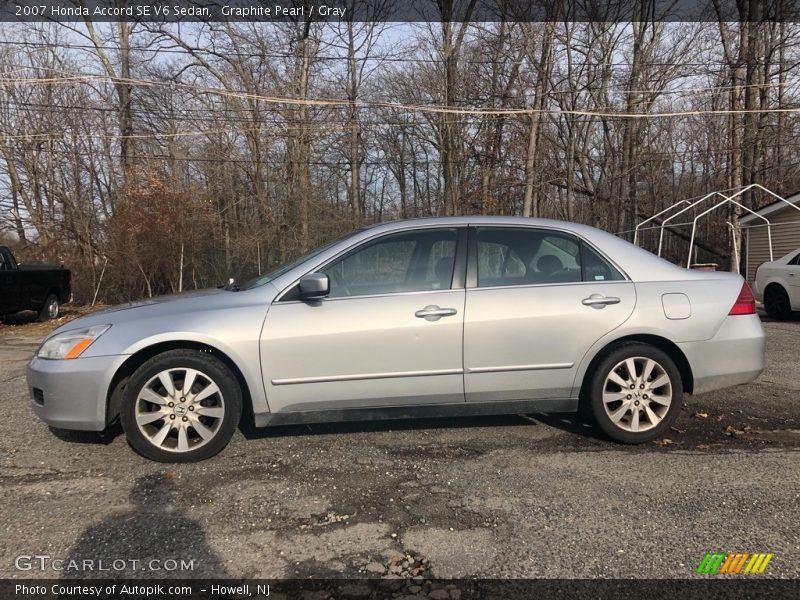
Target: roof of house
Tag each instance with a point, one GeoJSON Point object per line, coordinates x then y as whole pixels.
{"type": "Point", "coordinates": [771, 208]}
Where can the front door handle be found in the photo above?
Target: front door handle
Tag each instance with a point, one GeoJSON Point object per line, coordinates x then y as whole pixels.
{"type": "Point", "coordinates": [599, 301]}
{"type": "Point", "coordinates": [434, 313]}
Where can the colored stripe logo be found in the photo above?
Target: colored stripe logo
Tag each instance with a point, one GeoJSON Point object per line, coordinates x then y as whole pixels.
{"type": "Point", "coordinates": [719, 563]}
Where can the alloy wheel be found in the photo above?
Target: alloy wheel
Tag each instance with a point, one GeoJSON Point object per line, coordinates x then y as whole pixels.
{"type": "Point", "coordinates": [637, 394]}
{"type": "Point", "coordinates": [179, 409]}
{"type": "Point", "coordinates": [52, 308]}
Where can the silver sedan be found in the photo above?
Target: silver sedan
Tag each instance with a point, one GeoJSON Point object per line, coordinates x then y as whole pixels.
{"type": "Point", "coordinates": [429, 317]}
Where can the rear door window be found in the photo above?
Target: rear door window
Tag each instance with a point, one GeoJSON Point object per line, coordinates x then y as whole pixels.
{"type": "Point", "coordinates": [528, 256]}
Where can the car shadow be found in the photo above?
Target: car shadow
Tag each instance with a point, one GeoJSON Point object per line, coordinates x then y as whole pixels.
{"type": "Point", "coordinates": [24, 317]}
{"type": "Point", "coordinates": [376, 426]}
{"type": "Point", "coordinates": [568, 422]}
{"type": "Point", "coordinates": [103, 438]}
{"type": "Point", "coordinates": [765, 318]}
{"type": "Point", "coordinates": [572, 423]}
{"type": "Point", "coordinates": [795, 318]}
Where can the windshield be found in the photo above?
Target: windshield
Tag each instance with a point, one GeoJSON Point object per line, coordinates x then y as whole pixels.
{"type": "Point", "coordinates": [264, 279]}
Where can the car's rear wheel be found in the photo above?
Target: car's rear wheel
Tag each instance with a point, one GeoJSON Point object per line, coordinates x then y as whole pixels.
{"type": "Point", "coordinates": [50, 308]}
{"type": "Point", "coordinates": [181, 406]}
{"type": "Point", "coordinates": [635, 393]}
{"type": "Point", "coordinates": [776, 302]}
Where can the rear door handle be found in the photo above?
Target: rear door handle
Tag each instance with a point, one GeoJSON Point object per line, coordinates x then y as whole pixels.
{"type": "Point", "coordinates": [599, 301]}
{"type": "Point", "coordinates": [434, 313]}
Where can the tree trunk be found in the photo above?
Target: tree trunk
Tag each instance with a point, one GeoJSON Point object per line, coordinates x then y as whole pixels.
{"type": "Point", "coordinates": [355, 129]}
{"type": "Point", "coordinates": [530, 207]}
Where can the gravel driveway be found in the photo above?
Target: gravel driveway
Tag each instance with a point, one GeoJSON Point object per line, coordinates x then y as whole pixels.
{"type": "Point", "coordinates": [517, 496]}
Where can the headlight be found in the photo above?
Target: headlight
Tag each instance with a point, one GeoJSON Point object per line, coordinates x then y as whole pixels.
{"type": "Point", "coordinates": [70, 344]}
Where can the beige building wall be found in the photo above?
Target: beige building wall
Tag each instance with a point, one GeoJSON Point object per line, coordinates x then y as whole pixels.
{"type": "Point", "coordinates": [785, 238]}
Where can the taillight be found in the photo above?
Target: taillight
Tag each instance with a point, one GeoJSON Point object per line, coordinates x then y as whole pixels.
{"type": "Point", "coordinates": [745, 304]}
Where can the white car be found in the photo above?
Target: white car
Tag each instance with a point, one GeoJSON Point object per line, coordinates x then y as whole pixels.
{"type": "Point", "coordinates": [778, 285]}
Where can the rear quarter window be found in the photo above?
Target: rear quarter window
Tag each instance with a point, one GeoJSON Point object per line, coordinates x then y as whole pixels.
{"type": "Point", "coordinates": [597, 268]}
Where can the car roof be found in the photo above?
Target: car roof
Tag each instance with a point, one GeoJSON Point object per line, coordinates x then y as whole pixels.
{"type": "Point", "coordinates": [467, 219]}
{"type": "Point", "coordinates": [399, 224]}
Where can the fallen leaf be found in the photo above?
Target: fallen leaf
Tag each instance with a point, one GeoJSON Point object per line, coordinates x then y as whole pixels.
{"type": "Point", "coordinates": [664, 442]}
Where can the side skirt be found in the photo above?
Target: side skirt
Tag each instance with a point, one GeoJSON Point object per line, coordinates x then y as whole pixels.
{"type": "Point", "coordinates": [460, 409]}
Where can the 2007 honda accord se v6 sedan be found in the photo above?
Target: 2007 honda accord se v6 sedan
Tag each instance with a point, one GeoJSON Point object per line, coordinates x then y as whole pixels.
{"type": "Point", "coordinates": [428, 317]}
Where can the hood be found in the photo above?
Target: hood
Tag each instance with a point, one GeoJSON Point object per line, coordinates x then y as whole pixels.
{"type": "Point", "coordinates": [161, 300]}
{"type": "Point", "coordinates": [207, 316]}
{"type": "Point", "coordinates": [160, 306]}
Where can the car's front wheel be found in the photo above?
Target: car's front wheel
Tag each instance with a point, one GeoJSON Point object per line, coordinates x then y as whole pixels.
{"type": "Point", "coordinates": [181, 406]}
{"type": "Point", "coordinates": [635, 393]}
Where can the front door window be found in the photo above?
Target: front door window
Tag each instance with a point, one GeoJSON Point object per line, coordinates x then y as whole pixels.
{"type": "Point", "coordinates": [405, 262]}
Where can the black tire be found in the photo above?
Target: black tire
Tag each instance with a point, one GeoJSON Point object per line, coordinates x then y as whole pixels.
{"type": "Point", "coordinates": [627, 429]}
{"type": "Point", "coordinates": [210, 371]}
{"type": "Point", "coordinates": [50, 308]}
{"type": "Point", "coordinates": [776, 302]}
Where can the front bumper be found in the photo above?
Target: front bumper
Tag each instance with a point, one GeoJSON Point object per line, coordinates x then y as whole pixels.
{"type": "Point", "coordinates": [72, 394]}
{"type": "Point", "coordinates": [735, 355]}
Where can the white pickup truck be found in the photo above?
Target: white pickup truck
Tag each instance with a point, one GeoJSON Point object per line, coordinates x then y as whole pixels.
{"type": "Point", "coordinates": [778, 286]}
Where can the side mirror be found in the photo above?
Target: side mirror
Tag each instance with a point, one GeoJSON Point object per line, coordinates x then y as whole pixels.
{"type": "Point", "coordinates": [314, 285]}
